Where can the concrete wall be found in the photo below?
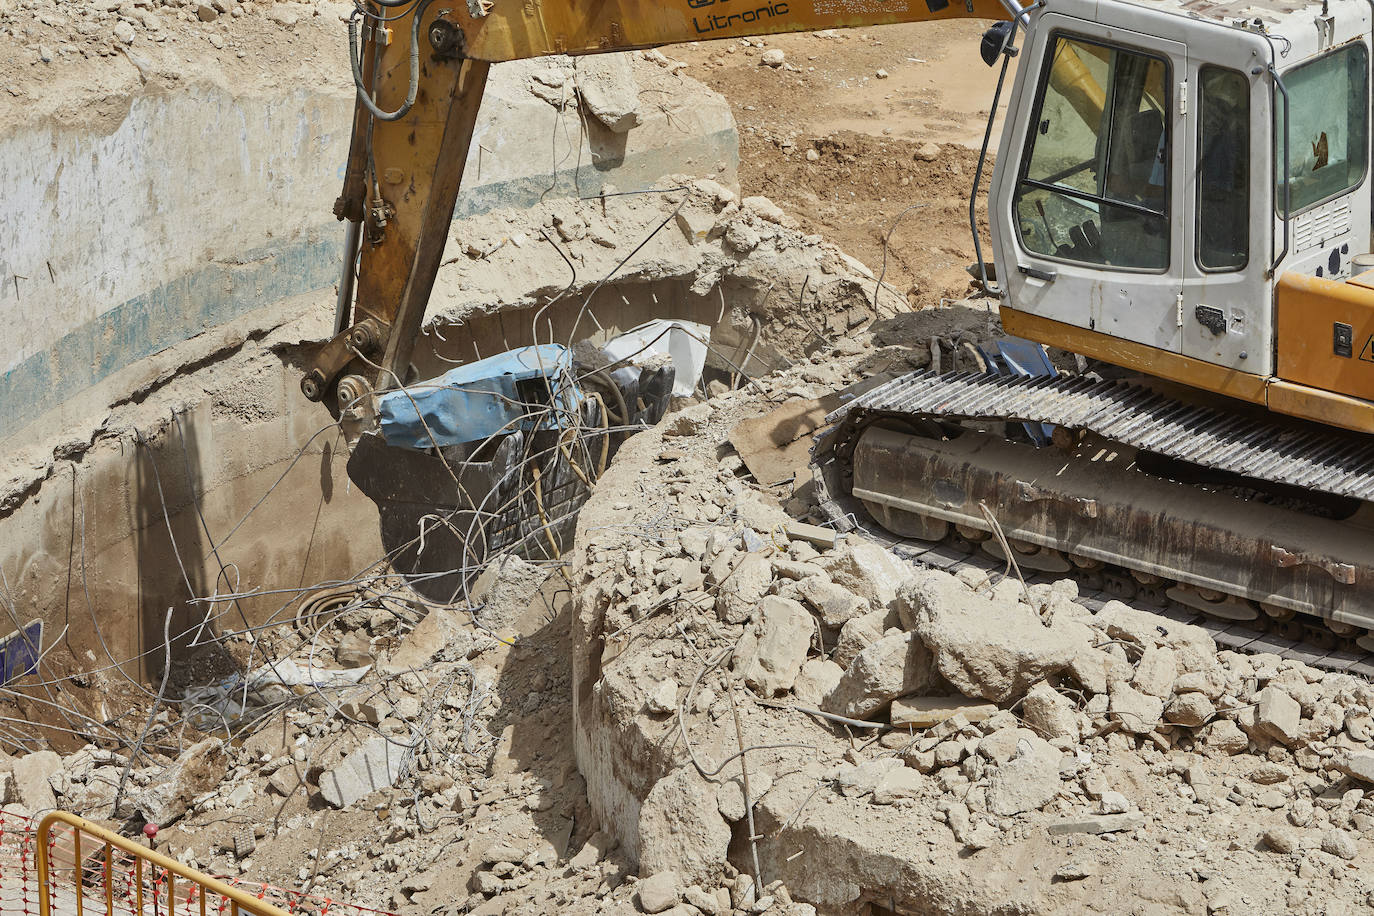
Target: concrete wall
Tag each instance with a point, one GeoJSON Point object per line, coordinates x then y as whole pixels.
{"type": "Point", "coordinates": [200, 206]}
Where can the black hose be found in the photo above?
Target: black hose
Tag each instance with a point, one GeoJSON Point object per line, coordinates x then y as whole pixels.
{"type": "Point", "coordinates": [353, 59]}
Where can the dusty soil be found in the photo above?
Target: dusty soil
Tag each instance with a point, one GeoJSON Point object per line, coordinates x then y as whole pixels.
{"type": "Point", "coordinates": [872, 139]}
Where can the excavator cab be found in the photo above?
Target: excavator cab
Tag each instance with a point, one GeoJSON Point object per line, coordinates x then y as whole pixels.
{"type": "Point", "coordinates": [1184, 195]}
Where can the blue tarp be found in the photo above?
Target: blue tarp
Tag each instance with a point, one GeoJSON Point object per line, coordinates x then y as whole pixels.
{"type": "Point", "coordinates": [499, 394]}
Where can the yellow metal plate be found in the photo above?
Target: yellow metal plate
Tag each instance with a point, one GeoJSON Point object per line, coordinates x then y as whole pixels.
{"type": "Point", "coordinates": [1312, 313]}
{"type": "Point", "coordinates": [1131, 355]}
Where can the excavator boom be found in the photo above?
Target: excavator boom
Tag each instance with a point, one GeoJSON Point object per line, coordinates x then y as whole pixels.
{"type": "Point", "coordinates": [421, 69]}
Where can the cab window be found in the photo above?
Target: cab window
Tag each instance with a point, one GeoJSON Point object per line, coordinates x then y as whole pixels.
{"type": "Point", "coordinates": [1223, 169]}
{"type": "Point", "coordinates": [1095, 182]}
{"type": "Point", "coordinates": [1327, 127]}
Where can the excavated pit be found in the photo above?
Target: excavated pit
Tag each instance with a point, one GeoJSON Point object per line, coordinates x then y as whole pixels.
{"type": "Point", "coordinates": [217, 496]}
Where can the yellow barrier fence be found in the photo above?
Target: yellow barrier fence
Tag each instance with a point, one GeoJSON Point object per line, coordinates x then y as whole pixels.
{"type": "Point", "coordinates": [87, 870]}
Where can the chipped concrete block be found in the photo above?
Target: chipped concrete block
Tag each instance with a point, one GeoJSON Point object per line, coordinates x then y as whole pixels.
{"type": "Point", "coordinates": [610, 91]}
{"type": "Point", "coordinates": [989, 648]}
{"type": "Point", "coordinates": [836, 604]}
{"type": "Point", "coordinates": [1139, 713]}
{"type": "Point", "coordinates": [32, 789]}
{"type": "Point", "coordinates": [1278, 715]}
{"type": "Point", "coordinates": [1050, 713]}
{"type": "Point", "coordinates": [1156, 672]}
{"type": "Point", "coordinates": [866, 569]}
{"type": "Point", "coordinates": [818, 676]}
{"type": "Point", "coordinates": [373, 766]}
{"type": "Point", "coordinates": [680, 827]}
{"type": "Point", "coordinates": [1026, 782]}
{"type": "Point", "coordinates": [894, 666]}
{"type": "Point", "coordinates": [784, 632]}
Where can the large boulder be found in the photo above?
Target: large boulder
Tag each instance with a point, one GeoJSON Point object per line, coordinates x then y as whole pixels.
{"type": "Point", "coordinates": [894, 666]}
{"type": "Point", "coordinates": [681, 828]}
{"type": "Point", "coordinates": [867, 570]}
{"type": "Point", "coordinates": [989, 647]}
{"type": "Point", "coordinates": [773, 654]}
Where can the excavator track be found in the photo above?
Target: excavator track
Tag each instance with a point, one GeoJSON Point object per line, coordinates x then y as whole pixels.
{"type": "Point", "coordinates": [1258, 528]}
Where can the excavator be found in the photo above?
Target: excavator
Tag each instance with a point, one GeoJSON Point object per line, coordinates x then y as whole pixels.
{"type": "Point", "coordinates": [1181, 199]}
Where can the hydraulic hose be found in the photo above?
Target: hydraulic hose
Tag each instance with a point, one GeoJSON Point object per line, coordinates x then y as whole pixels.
{"type": "Point", "coordinates": [353, 58]}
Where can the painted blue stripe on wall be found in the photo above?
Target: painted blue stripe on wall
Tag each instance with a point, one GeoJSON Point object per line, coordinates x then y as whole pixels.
{"type": "Point", "coordinates": [202, 300]}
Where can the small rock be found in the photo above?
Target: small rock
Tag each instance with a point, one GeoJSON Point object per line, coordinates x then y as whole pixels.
{"type": "Point", "coordinates": [1076, 870]}
{"type": "Point", "coordinates": [773, 57]}
{"type": "Point", "coordinates": [1138, 713]}
{"type": "Point", "coordinates": [282, 16]}
{"type": "Point", "coordinates": [501, 852]}
{"type": "Point", "coordinates": [707, 903]}
{"type": "Point", "coordinates": [207, 13]}
{"type": "Point", "coordinates": [1114, 803]}
{"type": "Point", "coordinates": [928, 152]}
{"type": "Point", "coordinates": [123, 32]}
{"type": "Point", "coordinates": [1338, 843]}
{"type": "Point", "coordinates": [662, 700]}
{"type": "Point", "coordinates": [1189, 709]}
{"type": "Point", "coordinates": [1278, 715]}
{"type": "Point", "coordinates": [813, 155]}
{"type": "Point", "coordinates": [1268, 773]}
{"type": "Point", "coordinates": [659, 892]}
{"type": "Point", "coordinates": [881, 74]}
{"type": "Point", "coordinates": [1280, 840]}
{"type": "Point", "coordinates": [1226, 736]}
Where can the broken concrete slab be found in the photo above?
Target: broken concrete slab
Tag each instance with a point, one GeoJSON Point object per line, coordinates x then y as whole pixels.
{"type": "Point", "coordinates": [1097, 823]}
{"type": "Point", "coordinates": [924, 712]}
{"type": "Point", "coordinates": [375, 765]}
{"type": "Point", "coordinates": [195, 771]}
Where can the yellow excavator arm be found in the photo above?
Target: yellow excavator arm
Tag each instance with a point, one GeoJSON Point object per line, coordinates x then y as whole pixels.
{"type": "Point", "coordinates": [421, 68]}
